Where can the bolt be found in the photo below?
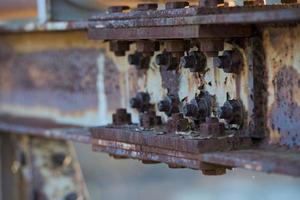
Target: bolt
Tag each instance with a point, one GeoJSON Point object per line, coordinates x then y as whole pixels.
{"type": "Point", "coordinates": [135, 59]}
{"type": "Point", "coordinates": [176, 5]}
{"type": "Point", "coordinates": [231, 61]}
{"type": "Point", "coordinates": [212, 169]}
{"type": "Point", "coordinates": [210, 3]}
{"type": "Point", "coordinates": [121, 117]}
{"type": "Point", "coordinates": [141, 102]}
{"type": "Point", "coordinates": [149, 119]}
{"type": "Point", "coordinates": [169, 105]}
{"type": "Point", "coordinates": [147, 6]}
{"type": "Point", "coordinates": [117, 9]}
{"type": "Point", "coordinates": [167, 60]}
{"type": "Point", "coordinates": [161, 59]}
{"type": "Point", "coordinates": [164, 106]}
{"type": "Point", "coordinates": [139, 60]}
{"type": "Point", "coordinates": [199, 108]}
{"type": "Point", "coordinates": [232, 112]}
{"type": "Point", "coordinates": [253, 2]}
{"type": "Point", "coordinates": [58, 159]}
{"type": "Point", "coordinates": [119, 47]}
{"type": "Point", "coordinates": [212, 127]}
{"type": "Point", "coordinates": [195, 61]}
{"type": "Point", "coordinates": [190, 110]}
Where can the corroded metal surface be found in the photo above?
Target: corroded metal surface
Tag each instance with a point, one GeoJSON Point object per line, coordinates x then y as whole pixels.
{"type": "Point", "coordinates": [64, 77]}
{"type": "Point", "coordinates": [271, 159]}
{"type": "Point", "coordinates": [283, 61]}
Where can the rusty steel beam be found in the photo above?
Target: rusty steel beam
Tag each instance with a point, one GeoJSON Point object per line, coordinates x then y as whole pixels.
{"type": "Point", "coordinates": [199, 16]}
{"type": "Point", "coordinates": [211, 156]}
{"type": "Point", "coordinates": [164, 32]}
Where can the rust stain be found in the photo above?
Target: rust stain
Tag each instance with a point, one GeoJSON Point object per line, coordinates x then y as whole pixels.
{"type": "Point", "coordinates": [282, 46]}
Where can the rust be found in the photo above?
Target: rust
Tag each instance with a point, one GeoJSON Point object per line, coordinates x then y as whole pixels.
{"type": "Point", "coordinates": [195, 61]}
{"type": "Point", "coordinates": [177, 123]}
{"type": "Point", "coordinates": [119, 47]}
{"type": "Point", "coordinates": [231, 61]}
{"type": "Point", "coordinates": [210, 3]}
{"type": "Point", "coordinates": [199, 108]}
{"type": "Point", "coordinates": [117, 9]}
{"type": "Point", "coordinates": [147, 6]}
{"type": "Point", "coordinates": [176, 142]}
{"type": "Point", "coordinates": [170, 105]}
{"type": "Point", "coordinates": [254, 2]}
{"type": "Point", "coordinates": [141, 102]}
{"type": "Point", "coordinates": [260, 77]}
{"type": "Point", "coordinates": [211, 47]}
{"type": "Point", "coordinates": [233, 112]}
{"type": "Point", "coordinates": [212, 127]}
{"type": "Point", "coordinates": [50, 78]}
{"type": "Point", "coordinates": [149, 119]}
{"type": "Point", "coordinates": [289, 1]}
{"type": "Point", "coordinates": [176, 5]}
{"type": "Point", "coordinates": [121, 117]}
{"type": "Point", "coordinates": [285, 112]}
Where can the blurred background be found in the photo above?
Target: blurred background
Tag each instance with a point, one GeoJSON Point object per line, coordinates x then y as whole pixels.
{"type": "Point", "coordinates": [112, 179]}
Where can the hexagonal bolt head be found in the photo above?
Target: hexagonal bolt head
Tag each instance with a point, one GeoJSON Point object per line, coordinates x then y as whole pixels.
{"type": "Point", "coordinates": [141, 102]}
{"type": "Point", "coordinates": [177, 123]}
{"type": "Point", "coordinates": [169, 105]}
{"type": "Point", "coordinates": [119, 47]}
{"type": "Point", "coordinates": [177, 5]}
{"type": "Point", "coordinates": [210, 3]}
{"type": "Point", "coordinates": [167, 60]}
{"type": "Point", "coordinates": [232, 111]}
{"type": "Point", "coordinates": [212, 169]}
{"type": "Point", "coordinates": [121, 117]}
{"type": "Point", "coordinates": [139, 60]}
{"type": "Point", "coordinates": [196, 61]}
{"type": "Point", "coordinates": [190, 110]}
{"type": "Point", "coordinates": [199, 108]}
{"type": "Point", "coordinates": [231, 61]}
{"type": "Point", "coordinates": [147, 6]}
{"type": "Point", "coordinates": [117, 9]}
{"type": "Point", "coordinates": [149, 120]}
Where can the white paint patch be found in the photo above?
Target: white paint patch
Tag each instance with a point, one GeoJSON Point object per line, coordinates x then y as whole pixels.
{"type": "Point", "coordinates": [102, 102]}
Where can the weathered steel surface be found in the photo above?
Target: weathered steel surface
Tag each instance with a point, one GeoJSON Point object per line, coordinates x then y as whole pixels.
{"type": "Point", "coordinates": [189, 142]}
{"type": "Point", "coordinates": [49, 26]}
{"type": "Point", "coordinates": [282, 47]}
{"type": "Point", "coordinates": [273, 160]}
{"type": "Point", "coordinates": [165, 32]}
{"type": "Point", "coordinates": [43, 128]}
{"type": "Point", "coordinates": [231, 15]}
{"type": "Point", "coordinates": [269, 159]}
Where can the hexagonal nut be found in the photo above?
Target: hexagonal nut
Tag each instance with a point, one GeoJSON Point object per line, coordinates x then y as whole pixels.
{"type": "Point", "coordinates": [117, 9]}
{"type": "Point", "coordinates": [119, 47]}
{"type": "Point", "coordinates": [210, 3]}
{"type": "Point", "coordinates": [177, 5]}
{"type": "Point", "coordinates": [147, 6]}
{"type": "Point", "coordinates": [212, 169]}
